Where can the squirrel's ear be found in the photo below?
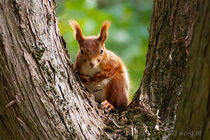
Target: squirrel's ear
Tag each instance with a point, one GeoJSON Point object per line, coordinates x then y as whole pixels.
{"type": "Point", "coordinates": [104, 31]}
{"type": "Point", "coordinates": [77, 30]}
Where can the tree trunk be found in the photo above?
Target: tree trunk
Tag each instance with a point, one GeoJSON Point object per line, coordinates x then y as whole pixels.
{"type": "Point", "coordinates": [40, 96]}
{"type": "Point", "coordinates": [169, 39]}
{"type": "Point", "coordinates": [42, 99]}
{"type": "Point", "coordinates": [193, 117]}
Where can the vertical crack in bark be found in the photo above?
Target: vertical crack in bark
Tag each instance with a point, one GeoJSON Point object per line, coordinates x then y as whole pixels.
{"type": "Point", "coordinates": [82, 132]}
{"type": "Point", "coordinates": [174, 19]}
{"type": "Point", "coordinates": [206, 119]}
{"type": "Point", "coordinates": [61, 92]}
{"type": "Point", "coordinates": [62, 119]}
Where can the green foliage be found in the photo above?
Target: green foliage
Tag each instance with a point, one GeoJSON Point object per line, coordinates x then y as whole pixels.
{"type": "Point", "coordinates": [128, 34]}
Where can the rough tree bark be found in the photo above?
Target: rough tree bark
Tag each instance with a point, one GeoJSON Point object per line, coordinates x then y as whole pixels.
{"type": "Point", "coordinates": [40, 97]}
{"type": "Point", "coordinates": [193, 117]}
{"type": "Point", "coordinates": [169, 39]}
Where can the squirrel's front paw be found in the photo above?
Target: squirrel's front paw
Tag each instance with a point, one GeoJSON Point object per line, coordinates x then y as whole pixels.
{"type": "Point", "coordinates": [106, 105]}
{"type": "Point", "coordinates": [95, 78]}
{"type": "Point", "coordinates": [84, 78]}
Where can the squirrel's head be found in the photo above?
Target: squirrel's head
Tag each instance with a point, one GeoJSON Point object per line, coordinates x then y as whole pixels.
{"type": "Point", "coordinates": [91, 49]}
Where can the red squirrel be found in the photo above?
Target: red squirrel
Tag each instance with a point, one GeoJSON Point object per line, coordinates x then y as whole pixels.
{"type": "Point", "coordinates": [102, 71]}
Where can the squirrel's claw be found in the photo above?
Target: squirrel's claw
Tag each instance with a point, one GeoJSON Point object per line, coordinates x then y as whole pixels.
{"type": "Point", "coordinates": [106, 105]}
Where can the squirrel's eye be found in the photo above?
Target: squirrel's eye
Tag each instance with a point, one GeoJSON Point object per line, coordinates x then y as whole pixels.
{"type": "Point", "coordinates": [81, 51]}
{"type": "Point", "coordinates": [102, 51]}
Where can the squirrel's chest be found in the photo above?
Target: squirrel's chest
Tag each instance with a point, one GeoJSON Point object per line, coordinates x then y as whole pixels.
{"type": "Point", "coordinates": [86, 70]}
{"type": "Point", "coordinates": [99, 89]}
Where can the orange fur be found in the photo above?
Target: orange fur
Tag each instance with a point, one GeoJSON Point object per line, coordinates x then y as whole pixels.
{"type": "Point", "coordinates": [77, 30]}
{"type": "Point", "coordinates": [98, 66]}
{"type": "Point", "coordinates": [116, 91]}
{"type": "Point", "coordinates": [104, 30]}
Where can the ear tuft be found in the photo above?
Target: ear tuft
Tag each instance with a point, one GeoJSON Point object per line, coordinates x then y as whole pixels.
{"type": "Point", "coordinates": [77, 30]}
{"type": "Point", "coordinates": [104, 31]}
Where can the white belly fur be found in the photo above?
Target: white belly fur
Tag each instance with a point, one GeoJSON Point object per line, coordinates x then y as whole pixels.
{"type": "Point", "coordinates": [98, 88]}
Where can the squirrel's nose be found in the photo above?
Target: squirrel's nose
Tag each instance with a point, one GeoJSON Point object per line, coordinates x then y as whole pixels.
{"type": "Point", "coordinates": [91, 64]}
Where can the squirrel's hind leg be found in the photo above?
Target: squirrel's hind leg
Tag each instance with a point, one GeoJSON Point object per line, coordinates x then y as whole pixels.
{"type": "Point", "coordinates": [117, 91]}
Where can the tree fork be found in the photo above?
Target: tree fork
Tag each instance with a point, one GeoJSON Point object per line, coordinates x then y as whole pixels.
{"type": "Point", "coordinates": [42, 99]}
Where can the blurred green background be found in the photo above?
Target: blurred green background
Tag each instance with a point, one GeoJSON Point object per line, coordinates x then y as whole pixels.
{"type": "Point", "coordinates": [128, 34]}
